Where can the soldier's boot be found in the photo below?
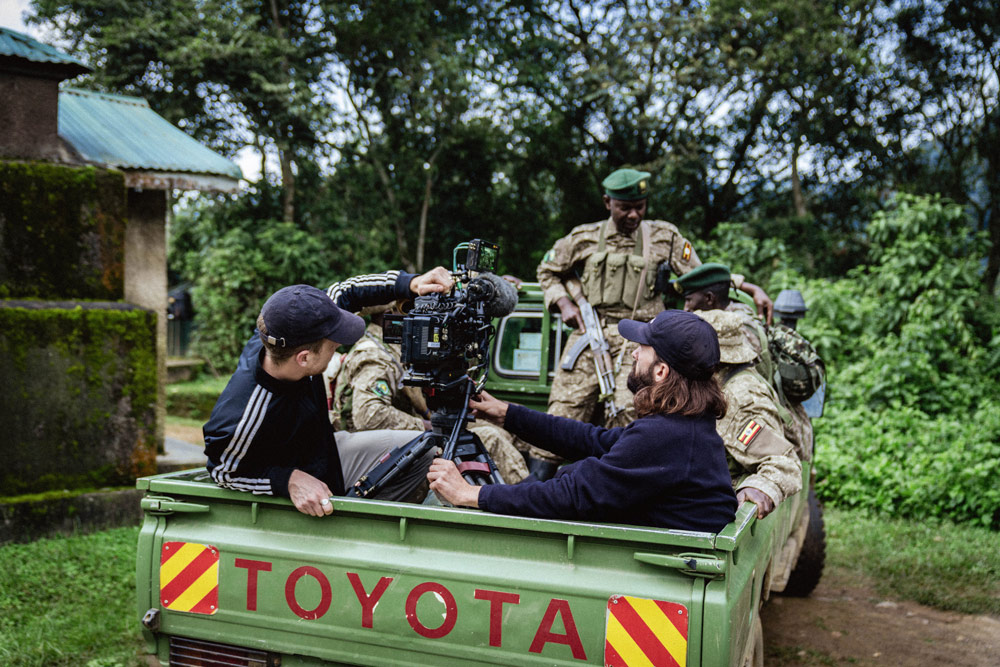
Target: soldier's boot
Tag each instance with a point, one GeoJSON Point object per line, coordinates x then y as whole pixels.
{"type": "Point", "coordinates": [540, 469]}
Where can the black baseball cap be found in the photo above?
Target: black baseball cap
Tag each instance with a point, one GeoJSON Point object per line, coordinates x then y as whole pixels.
{"type": "Point", "coordinates": [683, 340]}
{"type": "Point", "coordinates": [300, 314]}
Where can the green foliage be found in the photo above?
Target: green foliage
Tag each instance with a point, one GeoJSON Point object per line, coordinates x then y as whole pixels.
{"type": "Point", "coordinates": [910, 343]}
{"type": "Point", "coordinates": [904, 462]}
{"type": "Point", "coordinates": [62, 231]}
{"type": "Point", "coordinates": [238, 272]}
{"type": "Point", "coordinates": [70, 602]}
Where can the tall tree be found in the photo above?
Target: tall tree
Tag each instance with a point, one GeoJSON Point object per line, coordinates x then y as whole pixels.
{"type": "Point", "coordinates": [950, 71]}
{"type": "Point", "coordinates": [234, 73]}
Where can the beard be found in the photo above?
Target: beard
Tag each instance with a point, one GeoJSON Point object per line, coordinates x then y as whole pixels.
{"type": "Point", "coordinates": [637, 381]}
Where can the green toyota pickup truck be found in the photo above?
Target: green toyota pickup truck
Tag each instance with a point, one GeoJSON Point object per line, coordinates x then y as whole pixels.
{"type": "Point", "coordinates": [227, 578]}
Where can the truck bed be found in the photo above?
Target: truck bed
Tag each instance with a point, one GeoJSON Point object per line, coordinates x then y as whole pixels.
{"type": "Point", "coordinates": [380, 583]}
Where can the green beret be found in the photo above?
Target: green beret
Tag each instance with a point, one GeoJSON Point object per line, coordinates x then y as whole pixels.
{"type": "Point", "coordinates": [701, 277]}
{"type": "Point", "coordinates": [627, 184]}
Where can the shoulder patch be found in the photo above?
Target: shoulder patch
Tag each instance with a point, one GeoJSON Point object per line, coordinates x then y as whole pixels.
{"type": "Point", "coordinates": [686, 254]}
{"type": "Point", "coordinates": [381, 387]}
{"type": "Point", "coordinates": [548, 256]}
{"type": "Point", "coordinates": [749, 432]}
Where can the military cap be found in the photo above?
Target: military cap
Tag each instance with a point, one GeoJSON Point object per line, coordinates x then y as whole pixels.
{"type": "Point", "coordinates": [627, 184]}
{"type": "Point", "coordinates": [734, 348]}
{"type": "Point", "coordinates": [701, 277]}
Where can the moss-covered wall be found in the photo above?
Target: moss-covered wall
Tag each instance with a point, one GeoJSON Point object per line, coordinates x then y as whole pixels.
{"type": "Point", "coordinates": [62, 232]}
{"type": "Point", "coordinates": [77, 409]}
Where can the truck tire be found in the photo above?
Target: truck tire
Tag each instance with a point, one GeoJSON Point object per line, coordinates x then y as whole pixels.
{"type": "Point", "coordinates": [809, 566]}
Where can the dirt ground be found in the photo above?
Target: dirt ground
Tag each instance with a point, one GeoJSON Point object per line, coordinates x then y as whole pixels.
{"type": "Point", "coordinates": [845, 622]}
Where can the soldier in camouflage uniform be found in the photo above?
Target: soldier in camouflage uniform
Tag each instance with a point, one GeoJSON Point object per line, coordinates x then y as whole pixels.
{"type": "Point", "coordinates": [706, 288]}
{"type": "Point", "coordinates": [762, 462]}
{"type": "Point", "coordinates": [617, 261]}
{"type": "Point", "coordinates": [369, 394]}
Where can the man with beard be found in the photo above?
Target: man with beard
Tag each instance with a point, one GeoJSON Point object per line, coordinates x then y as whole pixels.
{"type": "Point", "coordinates": [665, 469]}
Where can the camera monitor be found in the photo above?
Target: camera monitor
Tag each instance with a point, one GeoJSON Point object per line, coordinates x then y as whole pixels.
{"type": "Point", "coordinates": [482, 256]}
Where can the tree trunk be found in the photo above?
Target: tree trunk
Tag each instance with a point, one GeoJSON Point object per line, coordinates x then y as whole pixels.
{"type": "Point", "coordinates": [288, 185]}
{"type": "Point", "coordinates": [797, 199]}
{"type": "Point", "coordinates": [425, 207]}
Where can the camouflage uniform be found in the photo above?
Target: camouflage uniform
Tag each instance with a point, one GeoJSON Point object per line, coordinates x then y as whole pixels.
{"type": "Point", "coordinates": [619, 261]}
{"type": "Point", "coordinates": [760, 456]}
{"type": "Point", "coordinates": [796, 424]}
{"type": "Point", "coordinates": [370, 395]}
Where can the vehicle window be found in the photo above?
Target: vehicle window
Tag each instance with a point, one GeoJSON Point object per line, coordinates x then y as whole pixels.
{"type": "Point", "coordinates": [519, 345]}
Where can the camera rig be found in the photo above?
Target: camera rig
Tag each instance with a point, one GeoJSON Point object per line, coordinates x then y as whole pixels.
{"type": "Point", "coordinates": [444, 344]}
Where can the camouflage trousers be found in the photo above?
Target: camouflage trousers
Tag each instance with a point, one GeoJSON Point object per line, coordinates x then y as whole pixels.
{"type": "Point", "coordinates": [499, 443]}
{"type": "Point", "coordinates": [576, 393]}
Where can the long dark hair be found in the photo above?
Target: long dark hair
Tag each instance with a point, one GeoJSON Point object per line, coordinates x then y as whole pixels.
{"type": "Point", "coordinates": [678, 394]}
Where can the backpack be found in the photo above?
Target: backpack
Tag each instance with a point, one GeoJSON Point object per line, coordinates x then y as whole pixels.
{"type": "Point", "coordinates": [799, 369]}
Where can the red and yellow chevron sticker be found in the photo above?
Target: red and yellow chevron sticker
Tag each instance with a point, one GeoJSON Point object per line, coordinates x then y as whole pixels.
{"type": "Point", "coordinates": [749, 432]}
{"type": "Point", "coordinates": [643, 632]}
{"type": "Point", "coordinates": [189, 577]}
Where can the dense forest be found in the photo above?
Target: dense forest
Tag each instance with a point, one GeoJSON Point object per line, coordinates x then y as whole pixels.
{"type": "Point", "coordinates": [850, 149]}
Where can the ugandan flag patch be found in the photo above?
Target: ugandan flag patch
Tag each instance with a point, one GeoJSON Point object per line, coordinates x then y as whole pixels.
{"type": "Point", "coordinates": [686, 253]}
{"type": "Point", "coordinates": [749, 432]}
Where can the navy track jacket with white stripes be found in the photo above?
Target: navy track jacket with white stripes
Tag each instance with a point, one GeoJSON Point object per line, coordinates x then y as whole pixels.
{"type": "Point", "coordinates": [262, 428]}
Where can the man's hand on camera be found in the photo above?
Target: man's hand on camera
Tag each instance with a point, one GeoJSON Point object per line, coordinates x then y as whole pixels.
{"type": "Point", "coordinates": [437, 279]}
{"type": "Point", "coordinates": [449, 485]}
{"type": "Point", "coordinates": [310, 495]}
{"type": "Point", "coordinates": [489, 408]}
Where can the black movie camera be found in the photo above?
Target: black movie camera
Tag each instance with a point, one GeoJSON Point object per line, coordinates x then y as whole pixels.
{"type": "Point", "coordinates": [445, 346]}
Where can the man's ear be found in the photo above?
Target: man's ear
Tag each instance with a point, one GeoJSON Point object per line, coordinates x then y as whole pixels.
{"type": "Point", "coordinates": [661, 371]}
{"type": "Point", "coordinates": [607, 202]}
{"type": "Point", "coordinates": [302, 357]}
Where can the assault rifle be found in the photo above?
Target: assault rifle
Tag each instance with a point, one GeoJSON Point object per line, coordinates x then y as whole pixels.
{"type": "Point", "coordinates": [593, 337]}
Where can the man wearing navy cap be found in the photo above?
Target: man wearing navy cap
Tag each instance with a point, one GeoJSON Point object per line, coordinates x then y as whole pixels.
{"type": "Point", "coordinates": [617, 261]}
{"type": "Point", "coordinates": [270, 432]}
{"type": "Point", "coordinates": [666, 469]}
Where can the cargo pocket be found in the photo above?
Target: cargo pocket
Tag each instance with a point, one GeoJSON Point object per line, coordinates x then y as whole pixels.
{"type": "Point", "coordinates": [615, 270]}
{"type": "Point", "coordinates": [632, 274]}
{"type": "Point", "coordinates": [593, 278]}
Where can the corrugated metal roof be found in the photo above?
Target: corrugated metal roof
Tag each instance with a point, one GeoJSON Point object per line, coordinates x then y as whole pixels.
{"type": "Point", "coordinates": [18, 45]}
{"type": "Point", "coordinates": [124, 132]}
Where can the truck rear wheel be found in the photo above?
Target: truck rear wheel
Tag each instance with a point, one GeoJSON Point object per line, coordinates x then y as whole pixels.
{"type": "Point", "coordinates": [809, 566]}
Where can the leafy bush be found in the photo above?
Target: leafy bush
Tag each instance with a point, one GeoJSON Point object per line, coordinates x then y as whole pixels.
{"type": "Point", "coordinates": [903, 462]}
{"type": "Point", "coordinates": [237, 274]}
{"type": "Point", "coordinates": [911, 347]}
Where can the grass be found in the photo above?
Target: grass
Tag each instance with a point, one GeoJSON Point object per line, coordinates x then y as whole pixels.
{"type": "Point", "coordinates": [196, 398]}
{"type": "Point", "coordinates": [71, 600]}
{"type": "Point", "coordinates": [933, 562]}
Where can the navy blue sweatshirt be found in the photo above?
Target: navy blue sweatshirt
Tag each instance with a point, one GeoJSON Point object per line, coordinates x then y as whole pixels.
{"type": "Point", "coordinates": [262, 428]}
{"type": "Point", "coordinates": [666, 471]}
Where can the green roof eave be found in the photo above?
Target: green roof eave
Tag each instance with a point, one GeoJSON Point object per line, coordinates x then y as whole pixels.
{"type": "Point", "coordinates": [124, 132]}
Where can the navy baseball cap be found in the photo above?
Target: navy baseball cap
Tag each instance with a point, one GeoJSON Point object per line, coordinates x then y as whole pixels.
{"type": "Point", "coordinates": [301, 314]}
{"type": "Point", "coordinates": [683, 340]}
